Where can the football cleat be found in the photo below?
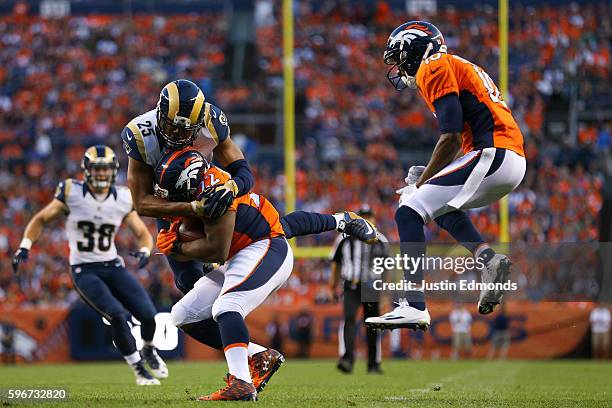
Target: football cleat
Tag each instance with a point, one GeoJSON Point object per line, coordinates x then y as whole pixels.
{"type": "Point", "coordinates": [496, 271]}
{"type": "Point", "coordinates": [263, 365]}
{"type": "Point", "coordinates": [375, 369]}
{"type": "Point", "coordinates": [143, 377]}
{"type": "Point", "coordinates": [154, 361]}
{"type": "Point", "coordinates": [403, 316]}
{"type": "Point", "coordinates": [345, 365]}
{"type": "Point", "coordinates": [235, 390]}
{"type": "Point", "coordinates": [352, 224]}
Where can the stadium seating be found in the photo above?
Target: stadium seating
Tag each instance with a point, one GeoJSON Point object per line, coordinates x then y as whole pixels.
{"type": "Point", "coordinates": [72, 82]}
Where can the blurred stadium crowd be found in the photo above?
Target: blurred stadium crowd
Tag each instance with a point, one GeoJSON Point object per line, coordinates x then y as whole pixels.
{"type": "Point", "coordinates": [72, 82]}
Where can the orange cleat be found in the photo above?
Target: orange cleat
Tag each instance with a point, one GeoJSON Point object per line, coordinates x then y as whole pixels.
{"type": "Point", "coordinates": [263, 365]}
{"type": "Point", "coordinates": [236, 390]}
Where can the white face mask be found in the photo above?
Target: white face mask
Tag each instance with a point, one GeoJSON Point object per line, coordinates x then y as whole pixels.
{"type": "Point", "coordinates": [410, 81]}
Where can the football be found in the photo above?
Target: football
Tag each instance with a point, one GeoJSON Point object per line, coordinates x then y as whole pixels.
{"type": "Point", "coordinates": [190, 230]}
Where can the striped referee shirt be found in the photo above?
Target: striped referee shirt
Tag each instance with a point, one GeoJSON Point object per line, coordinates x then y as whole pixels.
{"type": "Point", "coordinates": [356, 258]}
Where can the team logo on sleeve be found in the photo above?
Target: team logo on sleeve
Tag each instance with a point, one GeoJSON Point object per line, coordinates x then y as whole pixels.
{"type": "Point", "coordinates": [223, 119]}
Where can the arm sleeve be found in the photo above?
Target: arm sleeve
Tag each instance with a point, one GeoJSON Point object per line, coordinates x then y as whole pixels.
{"type": "Point", "coordinates": [130, 144]}
{"type": "Point", "coordinates": [437, 79]}
{"type": "Point", "coordinates": [449, 113]}
{"type": "Point", "coordinates": [216, 123]}
{"type": "Point", "coordinates": [242, 175]}
{"type": "Point", "coordinates": [62, 190]}
{"type": "Point", "coordinates": [306, 223]}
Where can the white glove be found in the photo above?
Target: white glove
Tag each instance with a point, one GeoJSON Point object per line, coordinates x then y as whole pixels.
{"type": "Point", "coordinates": [413, 174]}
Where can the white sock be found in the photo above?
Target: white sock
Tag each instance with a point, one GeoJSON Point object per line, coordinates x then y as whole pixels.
{"type": "Point", "coordinates": [237, 361]}
{"type": "Point", "coordinates": [147, 343]}
{"type": "Point", "coordinates": [338, 217]}
{"type": "Point", "coordinates": [132, 358]}
{"type": "Point", "coordinates": [255, 348]}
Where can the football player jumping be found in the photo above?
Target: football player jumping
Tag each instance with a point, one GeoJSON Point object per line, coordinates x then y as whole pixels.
{"type": "Point", "coordinates": [478, 159]}
{"type": "Point", "coordinates": [251, 237]}
{"type": "Point", "coordinates": [95, 210]}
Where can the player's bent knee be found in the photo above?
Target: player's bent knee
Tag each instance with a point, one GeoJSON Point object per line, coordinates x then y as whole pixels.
{"type": "Point", "coordinates": [178, 315]}
{"type": "Point", "coordinates": [406, 214]}
{"type": "Point", "coordinates": [227, 304]}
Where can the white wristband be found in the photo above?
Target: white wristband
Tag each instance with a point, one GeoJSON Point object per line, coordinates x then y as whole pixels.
{"type": "Point", "coordinates": [339, 217]}
{"type": "Point", "coordinates": [194, 207]}
{"type": "Point", "coordinates": [26, 243]}
{"type": "Point", "coordinates": [146, 251]}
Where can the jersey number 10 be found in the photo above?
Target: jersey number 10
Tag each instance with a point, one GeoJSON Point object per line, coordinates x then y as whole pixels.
{"type": "Point", "coordinates": [490, 86]}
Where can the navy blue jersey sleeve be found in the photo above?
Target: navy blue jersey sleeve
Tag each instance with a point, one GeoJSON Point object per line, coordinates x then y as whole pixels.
{"type": "Point", "coordinates": [216, 123]}
{"type": "Point", "coordinates": [63, 190]}
{"type": "Point", "coordinates": [300, 223]}
{"type": "Point", "coordinates": [60, 191]}
{"type": "Point", "coordinates": [449, 113]}
{"type": "Point", "coordinates": [131, 145]}
{"type": "Point", "coordinates": [242, 175]}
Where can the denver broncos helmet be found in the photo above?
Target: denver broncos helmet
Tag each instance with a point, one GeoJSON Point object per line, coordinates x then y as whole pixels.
{"type": "Point", "coordinates": [180, 113]}
{"type": "Point", "coordinates": [178, 173]}
{"type": "Point", "coordinates": [100, 156]}
{"type": "Point", "coordinates": [407, 46]}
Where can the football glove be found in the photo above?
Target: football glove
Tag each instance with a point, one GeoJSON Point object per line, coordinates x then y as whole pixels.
{"type": "Point", "coordinates": [215, 201]}
{"type": "Point", "coordinates": [21, 255]}
{"type": "Point", "coordinates": [414, 173]}
{"type": "Point", "coordinates": [142, 255]}
{"type": "Point", "coordinates": [353, 225]}
{"type": "Point", "coordinates": [166, 239]}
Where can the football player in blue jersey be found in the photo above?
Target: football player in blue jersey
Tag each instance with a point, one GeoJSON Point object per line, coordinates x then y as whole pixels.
{"type": "Point", "coordinates": [182, 119]}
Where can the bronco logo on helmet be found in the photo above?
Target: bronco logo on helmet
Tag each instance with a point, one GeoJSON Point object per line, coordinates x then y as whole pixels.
{"type": "Point", "coordinates": [178, 174]}
{"type": "Point", "coordinates": [407, 46]}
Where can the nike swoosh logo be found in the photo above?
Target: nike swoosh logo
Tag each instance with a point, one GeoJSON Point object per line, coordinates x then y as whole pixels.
{"type": "Point", "coordinates": [370, 229]}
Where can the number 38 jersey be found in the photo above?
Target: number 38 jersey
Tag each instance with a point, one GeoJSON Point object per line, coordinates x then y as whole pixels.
{"type": "Point", "coordinates": [141, 142]}
{"type": "Point", "coordinates": [488, 121]}
{"type": "Point", "coordinates": [92, 224]}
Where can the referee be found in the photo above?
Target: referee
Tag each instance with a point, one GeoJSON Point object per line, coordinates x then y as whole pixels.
{"type": "Point", "coordinates": [352, 261]}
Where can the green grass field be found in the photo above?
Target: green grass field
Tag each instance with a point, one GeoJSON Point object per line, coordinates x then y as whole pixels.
{"type": "Point", "coordinates": [318, 384]}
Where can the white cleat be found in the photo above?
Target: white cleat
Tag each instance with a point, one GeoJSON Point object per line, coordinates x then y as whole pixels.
{"type": "Point", "coordinates": [496, 271]}
{"type": "Point", "coordinates": [154, 361]}
{"type": "Point", "coordinates": [403, 316]}
{"type": "Point", "coordinates": [143, 377]}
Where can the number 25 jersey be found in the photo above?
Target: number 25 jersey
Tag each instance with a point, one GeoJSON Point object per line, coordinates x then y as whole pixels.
{"type": "Point", "coordinates": [487, 120]}
{"type": "Point", "coordinates": [141, 141]}
{"type": "Point", "coordinates": [92, 224]}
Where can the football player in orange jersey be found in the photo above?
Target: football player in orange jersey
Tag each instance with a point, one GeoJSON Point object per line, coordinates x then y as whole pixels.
{"type": "Point", "coordinates": [477, 160]}
{"type": "Point", "coordinates": [251, 238]}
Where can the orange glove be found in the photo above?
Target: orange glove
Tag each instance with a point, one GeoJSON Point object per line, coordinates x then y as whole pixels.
{"type": "Point", "coordinates": [167, 238]}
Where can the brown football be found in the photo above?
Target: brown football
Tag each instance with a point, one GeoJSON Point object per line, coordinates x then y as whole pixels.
{"type": "Point", "coordinates": [190, 230]}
